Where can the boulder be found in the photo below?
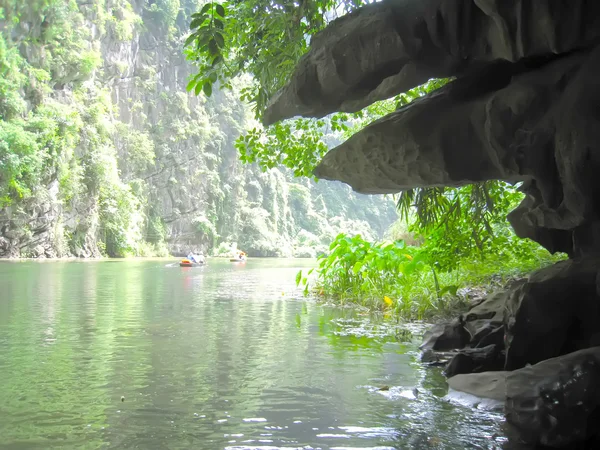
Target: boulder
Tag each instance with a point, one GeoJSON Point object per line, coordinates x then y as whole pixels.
{"type": "Point", "coordinates": [389, 47]}
{"type": "Point", "coordinates": [486, 385]}
{"type": "Point", "coordinates": [557, 311]}
{"type": "Point", "coordinates": [446, 336]}
{"type": "Point", "coordinates": [474, 360]}
{"type": "Point", "coordinates": [489, 335]}
{"type": "Point", "coordinates": [487, 318]}
{"type": "Point", "coordinates": [556, 403]}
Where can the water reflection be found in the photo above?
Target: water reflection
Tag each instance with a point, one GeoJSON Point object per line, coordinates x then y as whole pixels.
{"type": "Point", "coordinates": [138, 355]}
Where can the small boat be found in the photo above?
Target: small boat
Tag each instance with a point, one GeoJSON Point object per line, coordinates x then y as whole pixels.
{"type": "Point", "coordinates": [188, 263]}
{"type": "Point", "coordinates": [240, 257]}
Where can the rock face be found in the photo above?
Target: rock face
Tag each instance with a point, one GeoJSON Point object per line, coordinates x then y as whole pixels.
{"type": "Point", "coordinates": [445, 337]}
{"type": "Point", "coordinates": [524, 131]}
{"type": "Point", "coordinates": [150, 167]}
{"type": "Point", "coordinates": [522, 107]}
{"type": "Point", "coordinates": [555, 403]}
{"type": "Point", "coordinates": [392, 46]}
{"type": "Point", "coordinates": [474, 360]}
{"type": "Point", "coordinates": [557, 311]}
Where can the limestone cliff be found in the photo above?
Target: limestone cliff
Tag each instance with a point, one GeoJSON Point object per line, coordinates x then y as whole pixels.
{"type": "Point", "coordinates": [102, 150]}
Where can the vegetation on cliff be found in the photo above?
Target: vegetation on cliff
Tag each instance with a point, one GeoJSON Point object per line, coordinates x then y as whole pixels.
{"type": "Point", "coordinates": [102, 150]}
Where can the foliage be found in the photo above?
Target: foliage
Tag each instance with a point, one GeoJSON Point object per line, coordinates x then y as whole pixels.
{"type": "Point", "coordinates": [259, 37]}
{"type": "Point", "coordinates": [293, 144]}
{"type": "Point", "coordinates": [19, 162]}
{"type": "Point", "coordinates": [393, 277]}
{"type": "Point", "coordinates": [463, 223]}
{"type": "Point", "coordinates": [112, 141]}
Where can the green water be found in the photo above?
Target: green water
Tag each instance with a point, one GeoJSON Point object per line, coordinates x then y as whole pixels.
{"type": "Point", "coordinates": [223, 356]}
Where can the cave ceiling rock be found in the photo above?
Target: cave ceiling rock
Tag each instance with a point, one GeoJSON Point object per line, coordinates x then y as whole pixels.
{"type": "Point", "coordinates": [391, 46]}
{"type": "Point", "coordinates": [541, 127]}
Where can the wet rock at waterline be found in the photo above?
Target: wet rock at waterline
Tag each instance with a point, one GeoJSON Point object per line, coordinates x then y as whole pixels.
{"type": "Point", "coordinates": [475, 360]}
{"type": "Point", "coordinates": [446, 336]}
{"type": "Point", "coordinates": [487, 385]}
{"type": "Point", "coordinates": [555, 403]}
{"type": "Point", "coordinates": [389, 47]}
{"type": "Point", "coordinates": [557, 311]}
{"type": "Point", "coordinates": [431, 357]}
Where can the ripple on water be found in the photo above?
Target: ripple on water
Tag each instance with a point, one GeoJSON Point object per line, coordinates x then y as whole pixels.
{"type": "Point", "coordinates": [211, 358]}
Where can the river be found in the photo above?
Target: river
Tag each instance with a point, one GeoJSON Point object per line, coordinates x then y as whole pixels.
{"type": "Point", "coordinates": [139, 354]}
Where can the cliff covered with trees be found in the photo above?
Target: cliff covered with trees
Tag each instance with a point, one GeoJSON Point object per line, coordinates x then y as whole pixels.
{"type": "Point", "coordinates": [103, 152]}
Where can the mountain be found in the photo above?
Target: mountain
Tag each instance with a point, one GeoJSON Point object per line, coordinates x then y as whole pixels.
{"type": "Point", "coordinates": [103, 152]}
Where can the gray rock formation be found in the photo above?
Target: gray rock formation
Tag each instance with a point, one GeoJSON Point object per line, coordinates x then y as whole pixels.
{"type": "Point", "coordinates": [475, 360]}
{"type": "Point", "coordinates": [445, 337]}
{"type": "Point", "coordinates": [392, 46]}
{"type": "Point", "coordinates": [524, 131]}
{"type": "Point", "coordinates": [557, 311]}
{"type": "Point", "coordinates": [553, 403]}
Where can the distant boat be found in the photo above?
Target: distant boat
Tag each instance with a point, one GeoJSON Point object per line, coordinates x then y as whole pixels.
{"type": "Point", "coordinates": [188, 263]}
{"type": "Point", "coordinates": [240, 258]}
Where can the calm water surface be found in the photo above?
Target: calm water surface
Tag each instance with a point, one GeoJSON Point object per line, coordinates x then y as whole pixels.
{"type": "Point", "coordinates": [225, 356]}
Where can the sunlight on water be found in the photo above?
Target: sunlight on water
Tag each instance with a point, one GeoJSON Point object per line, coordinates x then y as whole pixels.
{"type": "Point", "coordinates": [138, 354]}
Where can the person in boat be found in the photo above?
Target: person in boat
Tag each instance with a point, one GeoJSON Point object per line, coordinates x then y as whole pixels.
{"type": "Point", "coordinates": [200, 259]}
{"type": "Point", "coordinates": [196, 257]}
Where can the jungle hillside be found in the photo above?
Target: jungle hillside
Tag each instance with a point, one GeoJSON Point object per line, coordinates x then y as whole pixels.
{"type": "Point", "coordinates": [104, 152]}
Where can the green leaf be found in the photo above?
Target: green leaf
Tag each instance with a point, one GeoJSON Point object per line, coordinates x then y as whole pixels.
{"type": "Point", "coordinates": [191, 38]}
{"type": "Point", "coordinates": [448, 290]}
{"type": "Point", "coordinates": [191, 85]}
{"type": "Point", "coordinates": [357, 267]}
{"type": "Point", "coordinates": [213, 48]}
{"type": "Point", "coordinates": [218, 24]}
{"type": "Point", "coordinates": [198, 89]}
{"type": "Point", "coordinates": [219, 40]}
{"type": "Point", "coordinates": [196, 23]}
{"type": "Point", "coordinates": [207, 88]}
{"type": "Point", "coordinates": [216, 61]}
{"type": "Point", "coordinates": [205, 36]}
{"type": "Point", "coordinates": [205, 8]}
{"type": "Point", "coordinates": [220, 10]}
{"type": "Point", "coordinates": [298, 277]}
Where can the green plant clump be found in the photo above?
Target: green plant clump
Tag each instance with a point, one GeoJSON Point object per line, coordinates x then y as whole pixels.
{"type": "Point", "coordinates": [462, 239]}
{"type": "Point", "coordinates": [406, 280]}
